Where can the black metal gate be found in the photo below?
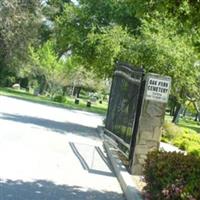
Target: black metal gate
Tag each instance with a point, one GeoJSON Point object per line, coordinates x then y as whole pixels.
{"type": "Point", "coordinates": [124, 107]}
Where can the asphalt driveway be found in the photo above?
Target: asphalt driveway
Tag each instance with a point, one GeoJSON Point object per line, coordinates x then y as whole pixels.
{"type": "Point", "coordinates": [50, 153]}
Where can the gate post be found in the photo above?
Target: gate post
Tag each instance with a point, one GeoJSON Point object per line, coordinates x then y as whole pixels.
{"type": "Point", "coordinates": [151, 119]}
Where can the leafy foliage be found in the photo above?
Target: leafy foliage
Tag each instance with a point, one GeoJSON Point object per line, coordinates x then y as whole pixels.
{"type": "Point", "coordinates": [45, 62]}
{"type": "Point", "coordinates": [163, 38]}
{"type": "Point", "coordinates": [170, 131]}
{"type": "Point", "coordinates": [159, 39]}
{"type": "Point", "coordinates": [172, 176]}
{"type": "Point", "coordinates": [183, 138]}
{"type": "Point", "coordinates": [61, 72]}
{"type": "Point", "coordinates": [59, 98]}
{"type": "Point", "coordinates": [189, 142]}
{"type": "Point", "coordinates": [19, 22]}
{"type": "Point", "coordinates": [94, 31]}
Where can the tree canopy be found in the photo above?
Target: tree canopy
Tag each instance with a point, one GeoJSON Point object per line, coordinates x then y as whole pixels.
{"type": "Point", "coordinates": [19, 23]}
{"type": "Point", "coordinates": [162, 37]}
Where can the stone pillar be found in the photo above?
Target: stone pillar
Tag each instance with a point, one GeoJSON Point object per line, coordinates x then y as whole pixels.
{"type": "Point", "coordinates": [151, 119]}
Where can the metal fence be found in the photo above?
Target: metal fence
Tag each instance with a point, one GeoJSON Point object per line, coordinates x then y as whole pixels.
{"type": "Point", "coordinates": [124, 106]}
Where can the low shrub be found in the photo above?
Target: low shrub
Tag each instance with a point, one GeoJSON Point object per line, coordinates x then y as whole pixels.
{"type": "Point", "coordinates": [185, 139]}
{"type": "Point", "coordinates": [189, 142]}
{"type": "Point", "coordinates": [173, 176]}
{"type": "Point", "coordinates": [59, 98]}
{"type": "Point", "coordinates": [170, 131]}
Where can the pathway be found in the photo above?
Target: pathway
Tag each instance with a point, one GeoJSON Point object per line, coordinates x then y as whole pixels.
{"type": "Point", "coordinates": [49, 153]}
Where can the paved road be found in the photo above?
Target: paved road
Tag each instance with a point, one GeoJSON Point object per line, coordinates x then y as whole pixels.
{"type": "Point", "coordinates": [49, 153]}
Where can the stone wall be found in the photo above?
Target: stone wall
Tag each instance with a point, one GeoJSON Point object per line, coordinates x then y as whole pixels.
{"type": "Point", "coordinates": [149, 130]}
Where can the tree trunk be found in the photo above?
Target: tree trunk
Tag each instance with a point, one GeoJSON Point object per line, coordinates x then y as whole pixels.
{"type": "Point", "coordinates": [24, 82]}
{"type": "Point", "coordinates": [43, 85]}
{"type": "Point", "coordinates": [177, 113]}
{"type": "Point", "coordinates": [184, 112]}
{"type": "Point", "coordinates": [78, 91]}
{"type": "Point", "coordinates": [172, 111]}
{"type": "Point", "coordinates": [73, 89]}
{"type": "Point", "coordinates": [197, 117]}
{"type": "Point", "coordinates": [64, 90]}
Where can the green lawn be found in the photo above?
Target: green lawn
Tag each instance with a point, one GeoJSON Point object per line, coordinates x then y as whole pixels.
{"type": "Point", "coordinates": [189, 124]}
{"type": "Point", "coordinates": [185, 123]}
{"type": "Point", "coordinates": [20, 94]}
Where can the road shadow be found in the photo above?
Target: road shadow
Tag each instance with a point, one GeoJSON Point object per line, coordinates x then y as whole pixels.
{"type": "Point", "coordinates": [59, 127]}
{"type": "Point", "coordinates": [46, 190]}
{"type": "Point", "coordinates": [100, 158]}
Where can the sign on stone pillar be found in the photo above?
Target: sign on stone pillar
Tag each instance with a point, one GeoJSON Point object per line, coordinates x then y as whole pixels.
{"type": "Point", "coordinates": [151, 119]}
{"type": "Point", "coordinates": [157, 88]}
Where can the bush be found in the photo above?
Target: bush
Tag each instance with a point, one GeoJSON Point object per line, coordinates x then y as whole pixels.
{"type": "Point", "coordinates": [60, 99]}
{"type": "Point", "coordinates": [189, 142]}
{"type": "Point", "coordinates": [173, 176]}
{"type": "Point", "coordinates": [170, 131]}
{"type": "Point", "coordinates": [8, 81]}
{"type": "Point", "coordinates": [185, 139]}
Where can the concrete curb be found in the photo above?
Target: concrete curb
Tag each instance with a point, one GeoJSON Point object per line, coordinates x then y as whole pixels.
{"type": "Point", "coordinates": [127, 184]}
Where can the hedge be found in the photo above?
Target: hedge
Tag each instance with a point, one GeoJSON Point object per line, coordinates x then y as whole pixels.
{"type": "Point", "coordinates": [185, 139]}
{"type": "Point", "coordinates": [173, 176]}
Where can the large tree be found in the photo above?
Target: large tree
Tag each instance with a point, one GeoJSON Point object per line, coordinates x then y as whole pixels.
{"type": "Point", "coordinates": [19, 23]}
{"type": "Point", "coordinates": [46, 66]}
{"type": "Point", "coordinates": [162, 37]}
{"type": "Point", "coordinates": [101, 33]}
{"type": "Point", "coordinates": [73, 28]}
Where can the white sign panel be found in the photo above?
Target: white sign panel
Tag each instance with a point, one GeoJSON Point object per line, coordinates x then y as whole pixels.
{"type": "Point", "coordinates": [157, 89]}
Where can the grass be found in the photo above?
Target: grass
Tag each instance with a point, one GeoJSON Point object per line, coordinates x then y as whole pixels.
{"type": "Point", "coordinates": [189, 124]}
{"type": "Point", "coordinates": [186, 123]}
{"type": "Point", "coordinates": [21, 94]}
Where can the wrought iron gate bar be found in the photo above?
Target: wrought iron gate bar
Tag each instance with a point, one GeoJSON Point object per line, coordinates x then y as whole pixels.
{"type": "Point", "coordinates": [118, 139]}
{"type": "Point", "coordinates": [129, 68]}
{"type": "Point", "coordinates": [114, 144]}
{"type": "Point", "coordinates": [128, 78]}
{"type": "Point", "coordinates": [122, 114]}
